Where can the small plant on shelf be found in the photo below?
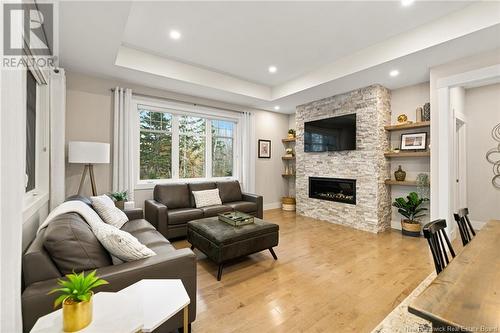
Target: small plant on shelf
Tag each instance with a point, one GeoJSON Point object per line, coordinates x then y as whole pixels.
{"type": "Point", "coordinates": [76, 299]}
{"type": "Point", "coordinates": [119, 198]}
{"type": "Point", "coordinates": [291, 133]}
{"type": "Point", "coordinates": [411, 209]}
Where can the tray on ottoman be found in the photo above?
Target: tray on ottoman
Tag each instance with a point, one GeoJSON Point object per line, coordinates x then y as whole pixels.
{"type": "Point", "coordinates": [222, 242]}
{"type": "Point", "coordinates": [236, 219]}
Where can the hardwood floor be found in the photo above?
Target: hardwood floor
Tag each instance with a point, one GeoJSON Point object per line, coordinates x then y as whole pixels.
{"type": "Point", "coordinates": [328, 278]}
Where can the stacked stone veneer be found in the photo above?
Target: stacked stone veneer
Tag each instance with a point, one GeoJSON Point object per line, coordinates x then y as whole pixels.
{"type": "Point", "coordinates": [366, 164]}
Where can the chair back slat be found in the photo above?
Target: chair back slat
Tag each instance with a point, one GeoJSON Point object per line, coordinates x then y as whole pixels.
{"type": "Point", "coordinates": [439, 244]}
{"type": "Point", "coordinates": [464, 225]}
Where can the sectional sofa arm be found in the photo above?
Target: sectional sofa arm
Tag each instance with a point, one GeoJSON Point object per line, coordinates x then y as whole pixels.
{"type": "Point", "coordinates": [156, 214]}
{"type": "Point", "coordinates": [134, 213]}
{"type": "Point", "coordinates": [258, 199]}
{"type": "Point", "coordinates": [179, 264]}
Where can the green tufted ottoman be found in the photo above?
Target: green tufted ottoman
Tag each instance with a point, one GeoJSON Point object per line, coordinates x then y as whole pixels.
{"type": "Point", "coordinates": [222, 242]}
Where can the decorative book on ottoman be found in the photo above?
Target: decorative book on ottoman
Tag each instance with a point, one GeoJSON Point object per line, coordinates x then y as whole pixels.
{"type": "Point", "coordinates": [236, 218]}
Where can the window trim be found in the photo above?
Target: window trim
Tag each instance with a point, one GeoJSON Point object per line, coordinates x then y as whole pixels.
{"type": "Point", "coordinates": [182, 109]}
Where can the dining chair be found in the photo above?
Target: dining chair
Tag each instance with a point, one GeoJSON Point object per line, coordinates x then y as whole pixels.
{"type": "Point", "coordinates": [436, 236]}
{"type": "Point", "coordinates": [464, 225]}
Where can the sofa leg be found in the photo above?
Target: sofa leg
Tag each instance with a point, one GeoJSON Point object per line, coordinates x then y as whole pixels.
{"type": "Point", "coordinates": [192, 247]}
{"type": "Point", "coordinates": [273, 254]}
{"type": "Point", "coordinates": [219, 272]}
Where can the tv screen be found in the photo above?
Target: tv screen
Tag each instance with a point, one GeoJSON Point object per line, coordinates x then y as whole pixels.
{"type": "Point", "coordinates": [330, 134]}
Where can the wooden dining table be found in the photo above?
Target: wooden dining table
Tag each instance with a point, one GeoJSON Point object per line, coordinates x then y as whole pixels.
{"type": "Point", "coordinates": [465, 296]}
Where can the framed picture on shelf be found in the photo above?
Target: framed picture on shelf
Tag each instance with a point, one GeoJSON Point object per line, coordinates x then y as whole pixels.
{"type": "Point", "coordinates": [414, 141]}
{"type": "Point", "coordinates": [264, 148]}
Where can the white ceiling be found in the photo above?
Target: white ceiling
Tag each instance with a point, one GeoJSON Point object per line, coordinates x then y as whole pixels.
{"type": "Point", "coordinates": [243, 38]}
{"type": "Point", "coordinates": [320, 48]}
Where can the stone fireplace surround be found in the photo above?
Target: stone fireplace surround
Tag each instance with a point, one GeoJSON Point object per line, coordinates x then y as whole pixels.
{"type": "Point", "coordinates": [367, 164]}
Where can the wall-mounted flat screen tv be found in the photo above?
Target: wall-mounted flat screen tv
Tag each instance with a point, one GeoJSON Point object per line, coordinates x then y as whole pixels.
{"type": "Point", "coordinates": [330, 134]}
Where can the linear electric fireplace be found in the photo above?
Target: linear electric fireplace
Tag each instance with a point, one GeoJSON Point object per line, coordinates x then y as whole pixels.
{"type": "Point", "coordinates": [333, 189]}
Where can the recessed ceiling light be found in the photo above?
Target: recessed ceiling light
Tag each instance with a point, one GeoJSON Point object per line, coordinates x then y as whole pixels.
{"type": "Point", "coordinates": [394, 73]}
{"type": "Point", "coordinates": [276, 107]}
{"type": "Point", "coordinates": [406, 3]}
{"type": "Point", "coordinates": [272, 69]}
{"type": "Point", "coordinates": [175, 34]}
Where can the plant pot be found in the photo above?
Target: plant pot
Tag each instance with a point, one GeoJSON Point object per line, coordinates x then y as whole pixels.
{"type": "Point", "coordinates": [76, 315]}
{"type": "Point", "coordinates": [291, 136]}
{"type": "Point", "coordinates": [412, 229]}
{"type": "Point", "coordinates": [288, 204]}
{"type": "Point", "coordinates": [120, 204]}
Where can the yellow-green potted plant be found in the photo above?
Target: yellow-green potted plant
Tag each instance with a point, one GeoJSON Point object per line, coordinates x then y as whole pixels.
{"type": "Point", "coordinates": [76, 299]}
{"type": "Point", "coordinates": [291, 133]}
{"type": "Point", "coordinates": [411, 210]}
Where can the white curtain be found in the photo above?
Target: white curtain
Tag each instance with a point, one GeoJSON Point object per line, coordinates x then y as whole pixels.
{"type": "Point", "coordinates": [57, 136]}
{"type": "Point", "coordinates": [123, 162]}
{"type": "Point", "coordinates": [248, 151]}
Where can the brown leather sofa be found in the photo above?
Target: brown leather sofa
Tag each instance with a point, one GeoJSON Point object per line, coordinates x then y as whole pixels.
{"type": "Point", "coordinates": [173, 205]}
{"type": "Point", "coordinates": [68, 244]}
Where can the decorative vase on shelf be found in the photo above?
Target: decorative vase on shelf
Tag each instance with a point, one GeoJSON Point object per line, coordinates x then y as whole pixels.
{"type": "Point", "coordinates": [426, 114]}
{"type": "Point", "coordinates": [418, 114]}
{"type": "Point", "coordinates": [400, 175]}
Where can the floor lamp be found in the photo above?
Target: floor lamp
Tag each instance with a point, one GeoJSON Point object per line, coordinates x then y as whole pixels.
{"type": "Point", "coordinates": [88, 153]}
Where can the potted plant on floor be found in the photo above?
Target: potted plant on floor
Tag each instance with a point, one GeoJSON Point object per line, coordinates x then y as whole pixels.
{"type": "Point", "coordinates": [76, 299]}
{"type": "Point", "coordinates": [411, 209]}
{"type": "Point", "coordinates": [119, 198]}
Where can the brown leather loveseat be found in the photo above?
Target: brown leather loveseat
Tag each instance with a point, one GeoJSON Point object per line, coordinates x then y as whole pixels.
{"type": "Point", "coordinates": [173, 205]}
{"type": "Point", "coordinates": [69, 244]}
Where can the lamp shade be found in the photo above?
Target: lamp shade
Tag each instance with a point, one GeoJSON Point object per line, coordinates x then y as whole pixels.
{"type": "Point", "coordinates": [88, 152]}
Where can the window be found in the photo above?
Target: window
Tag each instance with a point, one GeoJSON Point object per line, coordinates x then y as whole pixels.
{"type": "Point", "coordinates": [176, 145]}
{"type": "Point", "coordinates": [192, 140]}
{"type": "Point", "coordinates": [30, 131]}
{"type": "Point", "coordinates": [222, 148]}
{"type": "Point", "coordinates": [155, 144]}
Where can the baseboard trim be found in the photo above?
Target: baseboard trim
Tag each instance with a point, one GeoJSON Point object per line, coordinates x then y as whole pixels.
{"type": "Point", "coordinates": [477, 225]}
{"type": "Point", "coordinates": [272, 205]}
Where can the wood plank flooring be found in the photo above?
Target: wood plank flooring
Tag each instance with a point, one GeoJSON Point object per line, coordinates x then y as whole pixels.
{"type": "Point", "coordinates": [328, 278]}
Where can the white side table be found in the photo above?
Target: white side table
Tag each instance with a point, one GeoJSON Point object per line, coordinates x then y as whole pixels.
{"type": "Point", "coordinates": [160, 300]}
{"type": "Point", "coordinates": [141, 307]}
{"type": "Point", "coordinates": [112, 313]}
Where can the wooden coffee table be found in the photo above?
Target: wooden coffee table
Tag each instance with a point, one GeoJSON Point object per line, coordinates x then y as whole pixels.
{"type": "Point", "coordinates": [222, 242]}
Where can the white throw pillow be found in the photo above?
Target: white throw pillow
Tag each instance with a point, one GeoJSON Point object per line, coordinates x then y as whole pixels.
{"type": "Point", "coordinates": [120, 243]}
{"type": "Point", "coordinates": [207, 198]}
{"type": "Point", "coordinates": [108, 212]}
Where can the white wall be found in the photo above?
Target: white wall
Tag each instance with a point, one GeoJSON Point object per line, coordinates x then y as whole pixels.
{"type": "Point", "coordinates": [482, 110]}
{"type": "Point", "coordinates": [405, 101]}
{"type": "Point", "coordinates": [89, 117]}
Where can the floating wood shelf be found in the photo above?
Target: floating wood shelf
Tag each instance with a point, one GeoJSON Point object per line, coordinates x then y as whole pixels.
{"type": "Point", "coordinates": [288, 175]}
{"type": "Point", "coordinates": [404, 183]}
{"type": "Point", "coordinates": [289, 140]}
{"type": "Point", "coordinates": [407, 126]}
{"type": "Point", "coordinates": [288, 157]}
{"type": "Point", "coordinates": [408, 154]}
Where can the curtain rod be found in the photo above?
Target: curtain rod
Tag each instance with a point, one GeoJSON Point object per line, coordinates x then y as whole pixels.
{"type": "Point", "coordinates": [181, 101]}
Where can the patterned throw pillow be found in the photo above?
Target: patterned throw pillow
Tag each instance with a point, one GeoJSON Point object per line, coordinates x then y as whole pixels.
{"type": "Point", "coordinates": [120, 243]}
{"type": "Point", "coordinates": [207, 198]}
{"type": "Point", "coordinates": [106, 209]}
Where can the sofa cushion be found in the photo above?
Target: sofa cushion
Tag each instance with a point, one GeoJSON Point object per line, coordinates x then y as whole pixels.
{"type": "Point", "coordinates": [199, 187]}
{"type": "Point", "coordinates": [183, 215]}
{"type": "Point", "coordinates": [108, 212]}
{"type": "Point", "coordinates": [214, 210]}
{"type": "Point", "coordinates": [73, 246]}
{"type": "Point", "coordinates": [229, 191]}
{"type": "Point", "coordinates": [207, 198]}
{"type": "Point", "coordinates": [242, 206]}
{"type": "Point", "coordinates": [148, 235]}
{"type": "Point", "coordinates": [172, 195]}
